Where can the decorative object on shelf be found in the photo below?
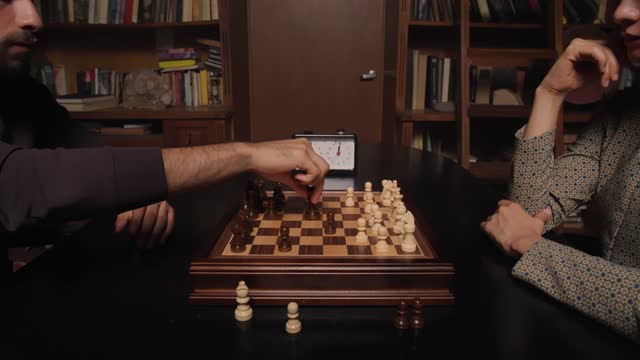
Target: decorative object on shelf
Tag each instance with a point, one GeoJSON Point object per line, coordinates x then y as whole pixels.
{"type": "Point", "coordinates": [146, 90]}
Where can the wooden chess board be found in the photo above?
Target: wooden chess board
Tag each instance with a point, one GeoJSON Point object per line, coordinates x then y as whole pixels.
{"type": "Point", "coordinates": [321, 268]}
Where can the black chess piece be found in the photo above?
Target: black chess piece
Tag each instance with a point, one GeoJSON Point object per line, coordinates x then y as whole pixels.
{"type": "Point", "coordinates": [237, 243]}
{"type": "Point", "coordinates": [312, 212]}
{"type": "Point", "coordinates": [252, 207]}
{"type": "Point", "coordinates": [331, 223]}
{"type": "Point", "coordinates": [402, 321]}
{"type": "Point", "coordinates": [417, 322]}
{"type": "Point", "coordinates": [261, 195]}
{"type": "Point", "coordinates": [279, 197]}
{"type": "Point", "coordinates": [284, 245]}
{"type": "Point", "coordinates": [271, 207]}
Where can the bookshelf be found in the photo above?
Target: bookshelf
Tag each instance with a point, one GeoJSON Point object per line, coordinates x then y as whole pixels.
{"type": "Point", "coordinates": [480, 43]}
{"type": "Point", "coordinates": [130, 46]}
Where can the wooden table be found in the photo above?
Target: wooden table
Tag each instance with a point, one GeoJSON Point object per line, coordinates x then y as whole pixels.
{"type": "Point", "coordinates": [96, 296]}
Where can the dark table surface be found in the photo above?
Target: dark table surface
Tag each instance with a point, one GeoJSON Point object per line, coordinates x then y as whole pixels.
{"type": "Point", "coordinates": [96, 296]}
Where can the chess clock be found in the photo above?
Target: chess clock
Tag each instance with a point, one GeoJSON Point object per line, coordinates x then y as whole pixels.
{"type": "Point", "coordinates": [338, 149]}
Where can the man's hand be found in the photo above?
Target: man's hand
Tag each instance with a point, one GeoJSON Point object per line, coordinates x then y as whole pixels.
{"type": "Point", "coordinates": [513, 229]}
{"type": "Point", "coordinates": [149, 226]}
{"type": "Point", "coordinates": [276, 160]}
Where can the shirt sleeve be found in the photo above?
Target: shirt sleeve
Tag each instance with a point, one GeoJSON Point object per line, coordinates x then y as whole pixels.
{"type": "Point", "coordinates": [603, 290]}
{"type": "Point", "coordinates": [563, 184]}
{"type": "Point", "coordinates": [55, 185]}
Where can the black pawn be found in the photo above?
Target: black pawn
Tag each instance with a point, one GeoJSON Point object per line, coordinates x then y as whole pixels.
{"type": "Point", "coordinates": [417, 322]}
{"type": "Point", "coordinates": [261, 195]}
{"type": "Point", "coordinates": [402, 321]}
{"type": "Point", "coordinates": [271, 207]}
{"type": "Point", "coordinates": [237, 243]}
{"type": "Point", "coordinates": [252, 207]}
{"type": "Point", "coordinates": [331, 224]}
{"type": "Point", "coordinates": [284, 245]}
{"type": "Point", "coordinates": [279, 197]}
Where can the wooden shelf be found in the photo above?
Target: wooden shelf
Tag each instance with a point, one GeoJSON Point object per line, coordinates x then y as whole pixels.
{"type": "Point", "coordinates": [421, 23]}
{"type": "Point", "coordinates": [494, 171]}
{"type": "Point", "coordinates": [427, 116]}
{"type": "Point", "coordinates": [150, 140]}
{"type": "Point", "coordinates": [73, 26]}
{"type": "Point", "coordinates": [498, 111]}
{"type": "Point", "coordinates": [577, 117]}
{"type": "Point", "coordinates": [531, 26]}
{"type": "Point", "coordinates": [508, 57]}
{"type": "Point", "coordinates": [172, 113]}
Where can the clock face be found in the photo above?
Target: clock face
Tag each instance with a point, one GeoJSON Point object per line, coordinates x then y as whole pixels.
{"type": "Point", "coordinates": [340, 154]}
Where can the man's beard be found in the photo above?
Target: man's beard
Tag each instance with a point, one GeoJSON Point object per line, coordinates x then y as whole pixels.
{"type": "Point", "coordinates": [19, 66]}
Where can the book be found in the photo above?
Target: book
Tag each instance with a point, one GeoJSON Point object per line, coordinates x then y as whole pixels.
{"type": "Point", "coordinates": [176, 63]}
{"type": "Point", "coordinates": [78, 99]}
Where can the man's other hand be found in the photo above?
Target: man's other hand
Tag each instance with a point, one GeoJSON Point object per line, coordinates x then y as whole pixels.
{"type": "Point", "coordinates": [150, 226]}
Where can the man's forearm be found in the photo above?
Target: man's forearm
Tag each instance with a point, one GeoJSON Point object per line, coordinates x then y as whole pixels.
{"type": "Point", "coordinates": [544, 114]}
{"type": "Point", "coordinates": [193, 167]}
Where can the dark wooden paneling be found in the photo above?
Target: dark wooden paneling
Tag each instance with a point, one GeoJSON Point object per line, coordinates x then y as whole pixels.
{"type": "Point", "coordinates": [178, 133]}
{"type": "Point", "coordinates": [306, 58]}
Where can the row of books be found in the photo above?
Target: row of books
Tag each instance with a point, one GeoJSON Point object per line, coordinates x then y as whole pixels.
{"type": "Point", "coordinates": [586, 11]}
{"type": "Point", "coordinates": [127, 11]}
{"type": "Point", "coordinates": [65, 79]}
{"type": "Point", "coordinates": [434, 10]}
{"type": "Point", "coordinates": [431, 82]}
{"type": "Point", "coordinates": [194, 87]}
{"type": "Point", "coordinates": [507, 11]}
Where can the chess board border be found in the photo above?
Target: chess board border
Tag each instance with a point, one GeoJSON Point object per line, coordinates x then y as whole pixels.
{"type": "Point", "coordinates": [426, 250]}
{"type": "Point", "coordinates": [322, 280]}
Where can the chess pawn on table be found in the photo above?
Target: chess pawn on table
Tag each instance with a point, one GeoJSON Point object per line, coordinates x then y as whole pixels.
{"type": "Point", "coordinates": [351, 201]}
{"type": "Point", "coordinates": [284, 245]}
{"type": "Point", "coordinates": [417, 322]}
{"type": "Point", "coordinates": [377, 217]}
{"type": "Point", "coordinates": [331, 224]}
{"type": "Point", "coordinates": [293, 325]}
{"type": "Point", "coordinates": [361, 237]}
{"type": "Point", "coordinates": [387, 199]}
{"type": "Point", "coordinates": [402, 321]}
{"type": "Point", "coordinates": [243, 311]}
{"type": "Point", "coordinates": [237, 243]}
{"type": "Point", "coordinates": [368, 186]}
{"type": "Point", "coordinates": [409, 243]}
{"type": "Point", "coordinates": [381, 245]}
{"type": "Point", "coordinates": [399, 224]}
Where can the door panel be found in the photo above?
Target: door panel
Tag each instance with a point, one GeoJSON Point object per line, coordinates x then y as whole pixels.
{"type": "Point", "coordinates": [306, 59]}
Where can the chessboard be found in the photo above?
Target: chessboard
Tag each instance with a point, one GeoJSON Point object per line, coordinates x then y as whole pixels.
{"type": "Point", "coordinates": [320, 268]}
{"type": "Point", "coordinates": [308, 237]}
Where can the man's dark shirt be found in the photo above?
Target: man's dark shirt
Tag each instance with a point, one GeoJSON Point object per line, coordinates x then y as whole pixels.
{"type": "Point", "coordinates": [44, 181]}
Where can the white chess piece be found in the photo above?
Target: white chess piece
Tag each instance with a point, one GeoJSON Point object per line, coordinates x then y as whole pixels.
{"type": "Point", "coordinates": [368, 197]}
{"type": "Point", "coordinates": [374, 208]}
{"type": "Point", "coordinates": [377, 215]}
{"type": "Point", "coordinates": [409, 218]}
{"type": "Point", "coordinates": [409, 244]}
{"type": "Point", "coordinates": [399, 224]}
{"type": "Point", "coordinates": [387, 201]}
{"type": "Point", "coordinates": [243, 311]}
{"type": "Point", "coordinates": [367, 208]}
{"type": "Point", "coordinates": [349, 202]}
{"type": "Point", "coordinates": [368, 186]}
{"type": "Point", "coordinates": [372, 221]}
{"type": "Point", "coordinates": [361, 237]}
{"type": "Point", "coordinates": [381, 245]}
{"type": "Point", "coordinates": [293, 325]}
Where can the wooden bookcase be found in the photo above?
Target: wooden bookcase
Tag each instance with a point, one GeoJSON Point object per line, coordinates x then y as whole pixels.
{"type": "Point", "coordinates": [488, 44]}
{"type": "Point", "coordinates": [129, 47]}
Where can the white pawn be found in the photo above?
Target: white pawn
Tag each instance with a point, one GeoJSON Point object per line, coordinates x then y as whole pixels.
{"type": "Point", "coordinates": [399, 224]}
{"type": "Point", "coordinates": [377, 216]}
{"type": "Point", "coordinates": [361, 237]}
{"type": "Point", "coordinates": [387, 201]}
{"type": "Point", "coordinates": [351, 196]}
{"type": "Point", "coordinates": [381, 245]}
{"type": "Point", "coordinates": [349, 202]}
{"type": "Point", "coordinates": [293, 324]}
{"type": "Point", "coordinates": [367, 208]}
{"type": "Point", "coordinates": [374, 208]}
{"type": "Point", "coordinates": [368, 186]}
{"type": "Point", "coordinates": [409, 244]}
{"type": "Point", "coordinates": [368, 197]}
{"type": "Point", "coordinates": [243, 311]}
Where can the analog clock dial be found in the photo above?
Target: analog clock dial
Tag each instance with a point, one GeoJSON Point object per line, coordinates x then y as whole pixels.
{"type": "Point", "coordinates": [338, 153]}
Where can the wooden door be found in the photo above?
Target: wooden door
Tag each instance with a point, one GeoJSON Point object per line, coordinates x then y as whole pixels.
{"type": "Point", "coordinates": [306, 58]}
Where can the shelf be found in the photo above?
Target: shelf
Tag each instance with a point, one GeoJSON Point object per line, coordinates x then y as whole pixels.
{"type": "Point", "coordinates": [150, 140]}
{"type": "Point", "coordinates": [481, 25]}
{"type": "Point", "coordinates": [494, 171]}
{"type": "Point", "coordinates": [577, 117]}
{"type": "Point", "coordinates": [421, 23]}
{"type": "Point", "coordinates": [427, 116]}
{"type": "Point", "coordinates": [498, 111]}
{"type": "Point", "coordinates": [172, 113]}
{"type": "Point", "coordinates": [508, 56]}
{"type": "Point", "coordinates": [73, 26]}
